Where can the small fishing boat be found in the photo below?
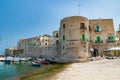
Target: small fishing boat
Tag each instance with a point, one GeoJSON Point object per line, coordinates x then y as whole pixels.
{"type": "Point", "coordinates": [2, 59]}
{"type": "Point", "coordinates": [24, 59]}
{"type": "Point", "coordinates": [36, 63]}
{"type": "Point", "coordinates": [7, 61]}
{"type": "Point", "coordinates": [16, 59]}
{"type": "Point", "coordinates": [51, 61]}
{"type": "Point", "coordinates": [44, 62]}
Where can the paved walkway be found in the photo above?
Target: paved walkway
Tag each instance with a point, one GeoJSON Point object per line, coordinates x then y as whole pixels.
{"type": "Point", "coordinates": [94, 70]}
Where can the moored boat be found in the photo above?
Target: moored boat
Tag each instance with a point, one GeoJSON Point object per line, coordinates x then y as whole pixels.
{"type": "Point", "coordinates": [35, 63]}
{"type": "Point", "coordinates": [2, 59]}
{"type": "Point", "coordinates": [44, 62]}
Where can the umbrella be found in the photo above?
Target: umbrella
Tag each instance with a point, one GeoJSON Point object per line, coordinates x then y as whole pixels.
{"type": "Point", "coordinates": [114, 49]}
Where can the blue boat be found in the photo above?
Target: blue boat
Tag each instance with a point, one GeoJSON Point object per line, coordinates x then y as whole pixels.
{"type": "Point", "coordinates": [7, 61]}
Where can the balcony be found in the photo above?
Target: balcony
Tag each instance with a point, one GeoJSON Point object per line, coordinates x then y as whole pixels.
{"type": "Point", "coordinates": [83, 40]}
{"type": "Point", "coordinates": [101, 41]}
{"type": "Point", "coordinates": [97, 30]}
{"type": "Point", "coordinates": [83, 28]}
{"type": "Point", "coordinates": [110, 40]}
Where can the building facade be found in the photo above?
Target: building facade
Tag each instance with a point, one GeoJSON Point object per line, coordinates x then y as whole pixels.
{"type": "Point", "coordinates": [78, 35]}
{"type": "Point", "coordinates": [13, 51]}
{"type": "Point", "coordinates": [43, 45]}
{"type": "Point", "coordinates": [118, 36]}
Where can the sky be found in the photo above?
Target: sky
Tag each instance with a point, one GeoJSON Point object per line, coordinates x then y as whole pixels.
{"type": "Point", "coordinates": [29, 18]}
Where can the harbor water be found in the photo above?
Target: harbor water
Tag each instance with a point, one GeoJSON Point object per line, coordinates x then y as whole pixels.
{"type": "Point", "coordinates": [8, 71]}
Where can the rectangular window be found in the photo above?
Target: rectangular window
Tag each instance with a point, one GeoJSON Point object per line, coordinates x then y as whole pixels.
{"type": "Point", "coordinates": [83, 37]}
{"type": "Point", "coordinates": [56, 35]}
{"type": "Point", "coordinates": [98, 29]}
{"type": "Point", "coordinates": [90, 28]}
{"type": "Point", "coordinates": [45, 43]}
{"type": "Point", "coordinates": [98, 38]}
{"type": "Point", "coordinates": [82, 25]}
{"type": "Point", "coordinates": [63, 37]}
{"type": "Point", "coordinates": [90, 39]}
{"type": "Point", "coordinates": [112, 37]}
{"type": "Point", "coordinates": [109, 38]}
{"type": "Point", "coordinates": [57, 42]}
{"type": "Point", "coordinates": [63, 26]}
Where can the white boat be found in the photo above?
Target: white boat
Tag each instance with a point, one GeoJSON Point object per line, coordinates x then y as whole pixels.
{"type": "Point", "coordinates": [24, 59]}
{"type": "Point", "coordinates": [16, 59]}
{"type": "Point", "coordinates": [2, 58]}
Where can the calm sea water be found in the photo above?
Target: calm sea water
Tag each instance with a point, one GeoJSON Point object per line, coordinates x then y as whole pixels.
{"type": "Point", "coordinates": [8, 71]}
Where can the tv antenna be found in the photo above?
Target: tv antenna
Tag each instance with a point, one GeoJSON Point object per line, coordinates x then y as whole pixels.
{"type": "Point", "coordinates": [79, 9]}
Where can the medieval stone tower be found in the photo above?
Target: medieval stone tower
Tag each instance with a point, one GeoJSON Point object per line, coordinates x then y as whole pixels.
{"type": "Point", "coordinates": [73, 37]}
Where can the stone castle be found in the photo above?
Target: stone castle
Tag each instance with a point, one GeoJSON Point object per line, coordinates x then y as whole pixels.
{"type": "Point", "coordinates": [78, 37]}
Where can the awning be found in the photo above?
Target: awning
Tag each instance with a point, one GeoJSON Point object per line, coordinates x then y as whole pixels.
{"type": "Point", "coordinates": [114, 49]}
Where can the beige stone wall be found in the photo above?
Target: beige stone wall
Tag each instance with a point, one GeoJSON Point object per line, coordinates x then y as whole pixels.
{"type": "Point", "coordinates": [43, 46]}
{"type": "Point", "coordinates": [118, 36]}
{"type": "Point", "coordinates": [107, 28]}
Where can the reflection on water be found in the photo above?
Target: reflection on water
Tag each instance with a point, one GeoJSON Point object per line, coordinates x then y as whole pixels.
{"type": "Point", "coordinates": [14, 69]}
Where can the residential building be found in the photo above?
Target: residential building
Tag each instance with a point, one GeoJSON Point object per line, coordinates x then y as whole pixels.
{"type": "Point", "coordinates": [42, 45]}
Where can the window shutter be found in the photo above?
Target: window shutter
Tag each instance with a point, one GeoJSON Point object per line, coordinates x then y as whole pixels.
{"type": "Point", "coordinates": [57, 42]}
{"type": "Point", "coordinates": [98, 38]}
{"type": "Point", "coordinates": [109, 37]}
{"type": "Point", "coordinates": [98, 28]}
{"type": "Point", "coordinates": [63, 37]}
{"type": "Point", "coordinates": [83, 37]}
{"type": "Point", "coordinates": [112, 37]}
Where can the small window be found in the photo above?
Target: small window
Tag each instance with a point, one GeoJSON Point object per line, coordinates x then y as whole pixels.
{"type": "Point", "coordinates": [90, 39]}
{"type": "Point", "coordinates": [83, 37]}
{"type": "Point", "coordinates": [45, 43]}
{"type": "Point", "coordinates": [63, 26]}
{"type": "Point", "coordinates": [98, 29]}
{"type": "Point", "coordinates": [57, 42]}
{"type": "Point", "coordinates": [40, 43]}
{"type": "Point", "coordinates": [84, 48]}
{"type": "Point", "coordinates": [90, 28]}
{"type": "Point", "coordinates": [56, 35]}
{"type": "Point", "coordinates": [111, 37]}
{"type": "Point", "coordinates": [63, 47]}
{"type": "Point", "coordinates": [82, 25]}
{"type": "Point", "coordinates": [63, 37]}
{"type": "Point", "coordinates": [38, 39]}
{"type": "Point", "coordinates": [98, 39]}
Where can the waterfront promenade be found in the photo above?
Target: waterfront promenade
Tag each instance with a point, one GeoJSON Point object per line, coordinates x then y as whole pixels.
{"type": "Point", "coordinates": [93, 70]}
